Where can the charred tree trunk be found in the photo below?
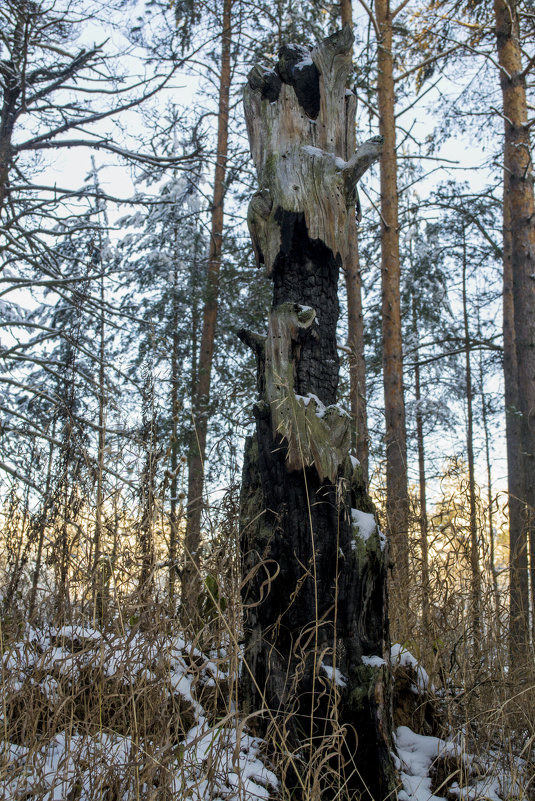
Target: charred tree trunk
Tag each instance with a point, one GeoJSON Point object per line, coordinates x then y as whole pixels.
{"type": "Point", "coordinates": [314, 560]}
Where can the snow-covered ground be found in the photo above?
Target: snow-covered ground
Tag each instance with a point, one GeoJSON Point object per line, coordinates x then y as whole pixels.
{"type": "Point", "coordinates": [215, 758]}
{"type": "Point", "coordinates": [79, 756]}
{"type": "Point", "coordinates": [483, 778]}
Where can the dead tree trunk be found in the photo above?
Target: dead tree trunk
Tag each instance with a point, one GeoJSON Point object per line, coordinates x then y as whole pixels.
{"type": "Point", "coordinates": [314, 561]}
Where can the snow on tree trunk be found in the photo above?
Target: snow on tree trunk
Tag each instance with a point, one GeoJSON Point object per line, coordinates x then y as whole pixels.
{"type": "Point", "coordinates": [314, 560]}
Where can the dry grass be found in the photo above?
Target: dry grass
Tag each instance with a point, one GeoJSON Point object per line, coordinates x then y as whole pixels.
{"type": "Point", "coordinates": [139, 705]}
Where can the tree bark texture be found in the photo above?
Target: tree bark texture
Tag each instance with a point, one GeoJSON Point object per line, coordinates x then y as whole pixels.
{"type": "Point", "coordinates": [518, 550]}
{"type": "Point", "coordinates": [355, 344]}
{"type": "Point", "coordinates": [422, 486]}
{"type": "Point", "coordinates": [475, 584]}
{"type": "Point", "coordinates": [201, 395]}
{"type": "Point", "coordinates": [519, 311]}
{"type": "Point", "coordinates": [355, 317]}
{"type": "Point", "coordinates": [314, 560]}
{"type": "Point", "coordinates": [397, 500]}
{"type": "Point", "coordinates": [9, 72]}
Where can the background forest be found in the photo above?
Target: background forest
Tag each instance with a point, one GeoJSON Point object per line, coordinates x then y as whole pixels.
{"type": "Point", "coordinates": [126, 276]}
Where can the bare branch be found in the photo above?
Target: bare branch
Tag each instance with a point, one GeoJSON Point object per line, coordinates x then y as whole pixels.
{"type": "Point", "coordinates": [368, 11]}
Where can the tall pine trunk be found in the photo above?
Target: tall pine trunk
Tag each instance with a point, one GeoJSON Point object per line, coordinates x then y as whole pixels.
{"type": "Point", "coordinates": [100, 568]}
{"type": "Point", "coordinates": [201, 394]}
{"type": "Point", "coordinates": [355, 318]}
{"type": "Point", "coordinates": [175, 408]}
{"type": "Point", "coordinates": [314, 562]}
{"type": "Point", "coordinates": [490, 498]}
{"type": "Point", "coordinates": [397, 498]}
{"type": "Point", "coordinates": [422, 485]}
{"type": "Point", "coordinates": [41, 524]}
{"type": "Point", "coordinates": [519, 316]}
{"type": "Point", "coordinates": [475, 583]}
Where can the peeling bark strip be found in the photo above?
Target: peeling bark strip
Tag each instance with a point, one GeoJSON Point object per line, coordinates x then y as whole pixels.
{"type": "Point", "coordinates": [316, 629]}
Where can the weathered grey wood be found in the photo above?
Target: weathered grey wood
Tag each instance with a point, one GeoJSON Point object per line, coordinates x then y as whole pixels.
{"type": "Point", "coordinates": [314, 434]}
{"type": "Point", "coordinates": [314, 560]}
{"type": "Point", "coordinates": [301, 162]}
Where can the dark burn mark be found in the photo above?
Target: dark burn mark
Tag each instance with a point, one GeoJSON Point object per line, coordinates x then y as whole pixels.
{"type": "Point", "coordinates": [296, 68]}
{"type": "Point", "coordinates": [272, 86]}
{"type": "Point", "coordinates": [306, 272]}
{"type": "Point", "coordinates": [267, 82]}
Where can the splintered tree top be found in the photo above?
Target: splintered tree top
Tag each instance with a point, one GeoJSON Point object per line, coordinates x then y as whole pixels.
{"type": "Point", "coordinates": [299, 119]}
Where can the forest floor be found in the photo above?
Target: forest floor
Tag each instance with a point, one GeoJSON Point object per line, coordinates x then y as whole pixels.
{"type": "Point", "coordinates": [146, 714]}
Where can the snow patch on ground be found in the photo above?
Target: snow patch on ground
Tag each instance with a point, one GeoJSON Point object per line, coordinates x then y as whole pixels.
{"type": "Point", "coordinates": [229, 755]}
{"type": "Point", "coordinates": [216, 759]}
{"type": "Point", "coordinates": [417, 752]}
{"type": "Point", "coordinates": [216, 762]}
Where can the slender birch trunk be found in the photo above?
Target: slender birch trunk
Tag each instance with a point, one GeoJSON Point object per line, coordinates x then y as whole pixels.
{"type": "Point", "coordinates": [41, 528]}
{"type": "Point", "coordinates": [490, 502]}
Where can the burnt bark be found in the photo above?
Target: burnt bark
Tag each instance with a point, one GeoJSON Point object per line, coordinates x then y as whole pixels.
{"type": "Point", "coordinates": [314, 560]}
